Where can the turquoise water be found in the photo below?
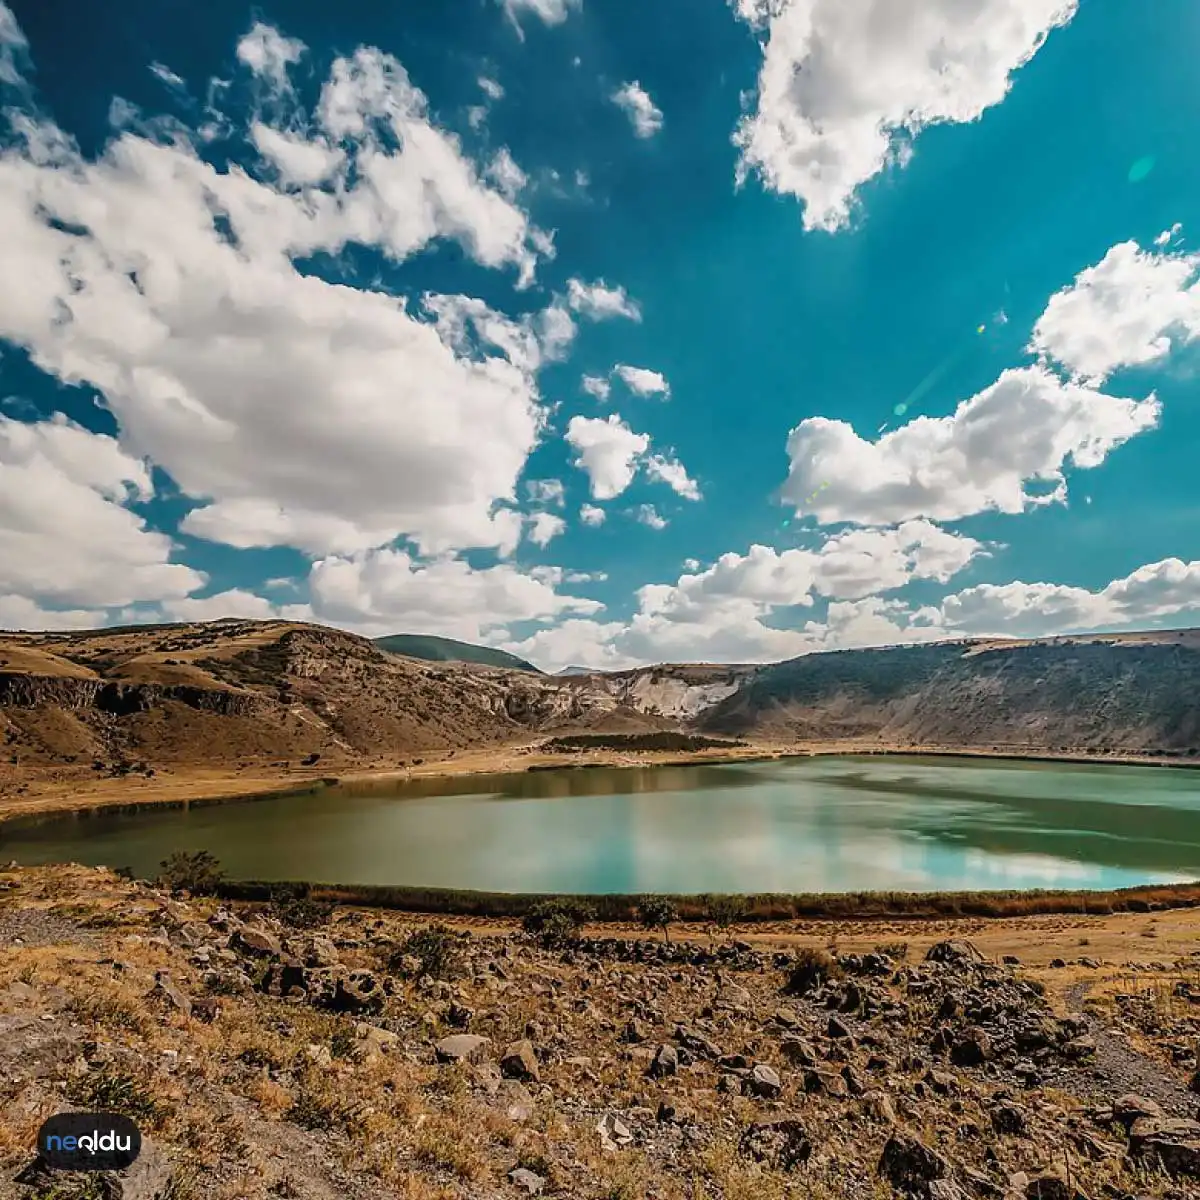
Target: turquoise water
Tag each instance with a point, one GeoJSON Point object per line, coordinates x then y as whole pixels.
{"type": "Point", "coordinates": [812, 825]}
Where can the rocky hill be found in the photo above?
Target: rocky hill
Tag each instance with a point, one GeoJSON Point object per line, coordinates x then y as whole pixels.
{"type": "Point", "coordinates": [231, 694]}
{"type": "Point", "coordinates": [295, 1051]}
{"type": "Point", "coordinates": [1131, 693]}
{"type": "Point", "coordinates": [248, 691]}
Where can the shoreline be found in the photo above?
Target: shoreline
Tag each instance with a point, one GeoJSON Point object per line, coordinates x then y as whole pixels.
{"type": "Point", "coordinates": [84, 795]}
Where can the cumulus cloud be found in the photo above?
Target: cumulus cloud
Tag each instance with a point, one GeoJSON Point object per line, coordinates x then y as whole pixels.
{"type": "Point", "coordinates": [505, 174]}
{"type": "Point", "coordinates": [550, 12]}
{"type": "Point", "coordinates": [388, 591]}
{"type": "Point", "coordinates": [648, 515]}
{"type": "Point", "coordinates": [641, 381]}
{"type": "Point", "coordinates": [644, 115]}
{"type": "Point", "coordinates": [591, 514]}
{"type": "Point", "coordinates": [599, 301]}
{"type": "Point", "coordinates": [673, 473]}
{"type": "Point", "coordinates": [545, 491]}
{"type": "Point", "coordinates": [847, 85]}
{"type": "Point", "coordinates": [608, 450]}
{"type": "Point", "coordinates": [1127, 310]}
{"type": "Point", "coordinates": [293, 411]}
{"type": "Point", "coordinates": [544, 527]}
{"type": "Point", "coordinates": [1024, 429]}
{"type": "Point", "coordinates": [269, 54]}
{"type": "Point", "coordinates": [19, 612]}
{"type": "Point", "coordinates": [596, 386]}
{"type": "Point", "coordinates": [67, 538]}
{"type": "Point", "coordinates": [236, 602]}
{"type": "Point", "coordinates": [1019, 609]}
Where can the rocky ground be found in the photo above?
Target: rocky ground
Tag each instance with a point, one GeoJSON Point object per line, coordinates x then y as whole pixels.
{"type": "Point", "coordinates": [286, 1051]}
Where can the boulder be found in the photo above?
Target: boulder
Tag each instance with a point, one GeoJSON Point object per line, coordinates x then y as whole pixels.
{"type": "Point", "coordinates": [526, 1181]}
{"type": "Point", "coordinates": [782, 1143]}
{"type": "Point", "coordinates": [358, 993]}
{"type": "Point", "coordinates": [515, 1101]}
{"type": "Point", "coordinates": [257, 943]}
{"type": "Point", "coordinates": [763, 1082]}
{"type": "Point", "coordinates": [908, 1164]}
{"type": "Point", "coordinates": [971, 1049]}
{"type": "Point", "coordinates": [520, 1062]}
{"type": "Point", "coordinates": [954, 954]}
{"type": "Point", "coordinates": [614, 1133]}
{"type": "Point", "coordinates": [461, 1047]}
{"type": "Point", "coordinates": [665, 1062]}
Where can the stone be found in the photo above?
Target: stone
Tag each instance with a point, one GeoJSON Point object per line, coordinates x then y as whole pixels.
{"type": "Point", "coordinates": [1051, 1186]}
{"type": "Point", "coordinates": [797, 1050]}
{"type": "Point", "coordinates": [526, 1181]}
{"type": "Point", "coordinates": [837, 1028]}
{"type": "Point", "coordinates": [520, 1062]}
{"type": "Point", "coordinates": [1079, 1049]}
{"type": "Point", "coordinates": [954, 954]}
{"type": "Point", "coordinates": [665, 1062]}
{"type": "Point", "coordinates": [165, 989]}
{"type": "Point", "coordinates": [907, 1163]}
{"type": "Point", "coordinates": [614, 1133]}
{"type": "Point", "coordinates": [258, 943]}
{"type": "Point", "coordinates": [782, 1143]}
{"type": "Point", "coordinates": [972, 1049]}
{"type": "Point", "coordinates": [636, 1031]}
{"type": "Point", "coordinates": [285, 978]}
{"type": "Point", "coordinates": [515, 1101]}
{"type": "Point", "coordinates": [358, 993]}
{"type": "Point", "coordinates": [1131, 1106]}
{"type": "Point", "coordinates": [1008, 1119]}
{"type": "Point", "coordinates": [878, 1106]}
{"type": "Point", "coordinates": [763, 1082]}
{"type": "Point", "coordinates": [206, 1009]}
{"type": "Point", "coordinates": [376, 1041]}
{"type": "Point", "coordinates": [732, 997]}
{"type": "Point", "coordinates": [1174, 1143]}
{"type": "Point", "coordinates": [787, 1017]}
{"type": "Point", "coordinates": [461, 1047]}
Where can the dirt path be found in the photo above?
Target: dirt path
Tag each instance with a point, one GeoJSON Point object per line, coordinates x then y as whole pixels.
{"type": "Point", "coordinates": [1118, 1068]}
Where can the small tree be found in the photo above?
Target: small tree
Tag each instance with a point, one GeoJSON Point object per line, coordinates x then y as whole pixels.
{"type": "Point", "coordinates": [724, 911]}
{"type": "Point", "coordinates": [194, 871]}
{"type": "Point", "coordinates": [436, 948]}
{"type": "Point", "coordinates": [557, 923]}
{"type": "Point", "coordinates": [657, 912]}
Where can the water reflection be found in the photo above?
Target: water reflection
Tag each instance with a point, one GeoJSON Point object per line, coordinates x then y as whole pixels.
{"type": "Point", "coordinates": [802, 825]}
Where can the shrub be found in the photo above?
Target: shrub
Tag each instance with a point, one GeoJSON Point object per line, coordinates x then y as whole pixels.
{"type": "Point", "coordinates": [303, 912]}
{"type": "Point", "coordinates": [557, 922]}
{"type": "Point", "coordinates": [114, 1091]}
{"type": "Point", "coordinates": [437, 949]}
{"type": "Point", "coordinates": [896, 950]}
{"type": "Point", "coordinates": [194, 871]}
{"type": "Point", "coordinates": [657, 912]}
{"type": "Point", "coordinates": [810, 969]}
{"type": "Point", "coordinates": [724, 911]}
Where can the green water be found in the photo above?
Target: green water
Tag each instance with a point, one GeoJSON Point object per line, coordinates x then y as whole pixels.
{"type": "Point", "coordinates": [805, 825]}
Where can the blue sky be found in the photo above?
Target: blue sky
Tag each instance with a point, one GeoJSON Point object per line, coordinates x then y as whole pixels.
{"type": "Point", "coordinates": [608, 332]}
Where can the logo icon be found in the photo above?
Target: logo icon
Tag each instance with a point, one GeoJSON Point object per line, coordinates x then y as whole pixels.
{"type": "Point", "coordinates": [89, 1142]}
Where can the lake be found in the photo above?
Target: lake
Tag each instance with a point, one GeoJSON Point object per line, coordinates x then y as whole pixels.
{"type": "Point", "coordinates": [799, 825]}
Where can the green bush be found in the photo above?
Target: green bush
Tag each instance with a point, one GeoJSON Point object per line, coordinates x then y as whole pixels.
{"type": "Point", "coordinates": [657, 912]}
{"type": "Point", "coordinates": [194, 871]}
{"type": "Point", "coordinates": [724, 911]}
{"type": "Point", "coordinates": [437, 949]}
{"type": "Point", "coordinates": [557, 922]}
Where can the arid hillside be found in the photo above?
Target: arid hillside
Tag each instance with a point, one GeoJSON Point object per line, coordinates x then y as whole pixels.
{"type": "Point", "coordinates": [244, 691]}
{"type": "Point", "coordinates": [1130, 693]}
{"type": "Point", "coordinates": [229, 696]}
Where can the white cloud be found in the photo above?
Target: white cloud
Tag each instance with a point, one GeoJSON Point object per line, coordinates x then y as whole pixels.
{"type": "Point", "coordinates": [300, 161]}
{"type": "Point", "coordinates": [505, 174]}
{"type": "Point", "coordinates": [575, 642]}
{"type": "Point", "coordinates": [167, 77]}
{"type": "Point", "coordinates": [591, 514]}
{"type": "Point", "coordinates": [388, 591]}
{"type": "Point", "coordinates": [66, 538]}
{"type": "Point", "coordinates": [13, 47]}
{"type": "Point", "coordinates": [1019, 609]}
{"type": "Point", "coordinates": [544, 527]}
{"type": "Point", "coordinates": [641, 381]}
{"type": "Point", "coordinates": [600, 302]}
{"type": "Point", "coordinates": [551, 12]}
{"type": "Point", "coordinates": [1022, 429]}
{"type": "Point", "coordinates": [634, 101]}
{"type": "Point", "coordinates": [1165, 237]}
{"type": "Point", "coordinates": [269, 54]}
{"type": "Point", "coordinates": [673, 473]}
{"type": "Point", "coordinates": [545, 491]}
{"type": "Point", "coordinates": [608, 450]}
{"type": "Point", "coordinates": [847, 85]}
{"type": "Point", "coordinates": [491, 88]}
{"type": "Point", "coordinates": [235, 602]}
{"type": "Point", "coordinates": [19, 612]}
{"type": "Point", "coordinates": [1125, 311]}
{"type": "Point", "coordinates": [295, 412]}
{"type": "Point", "coordinates": [596, 386]}
{"type": "Point", "coordinates": [648, 515]}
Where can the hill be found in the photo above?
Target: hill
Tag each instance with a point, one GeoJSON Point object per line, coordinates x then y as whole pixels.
{"type": "Point", "coordinates": [440, 649]}
{"type": "Point", "coordinates": [1127, 693]}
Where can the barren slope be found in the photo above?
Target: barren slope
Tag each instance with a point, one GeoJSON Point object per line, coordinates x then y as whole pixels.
{"type": "Point", "coordinates": [1120, 694]}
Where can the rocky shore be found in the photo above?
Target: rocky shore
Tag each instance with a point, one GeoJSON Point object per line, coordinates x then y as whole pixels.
{"type": "Point", "coordinates": [292, 1050]}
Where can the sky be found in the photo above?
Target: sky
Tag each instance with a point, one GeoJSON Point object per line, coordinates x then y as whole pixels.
{"type": "Point", "coordinates": [604, 331]}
